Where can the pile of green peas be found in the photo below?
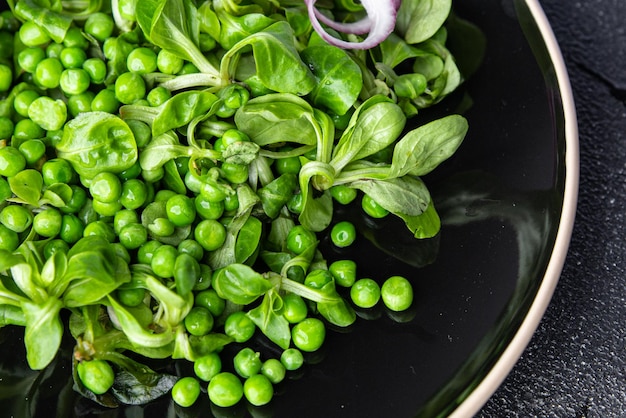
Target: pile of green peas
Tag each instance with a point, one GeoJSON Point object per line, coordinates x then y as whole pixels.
{"type": "Point", "coordinates": [60, 80]}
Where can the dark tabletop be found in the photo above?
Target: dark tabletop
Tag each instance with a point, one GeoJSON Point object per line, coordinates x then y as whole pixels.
{"type": "Point", "coordinates": [575, 365]}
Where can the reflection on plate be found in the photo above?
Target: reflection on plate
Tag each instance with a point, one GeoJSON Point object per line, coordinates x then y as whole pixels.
{"type": "Point", "coordinates": [507, 201]}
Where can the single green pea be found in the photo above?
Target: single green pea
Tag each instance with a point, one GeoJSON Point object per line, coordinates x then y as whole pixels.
{"type": "Point", "coordinates": [53, 246]}
{"type": "Point", "coordinates": [141, 131]}
{"type": "Point", "coordinates": [210, 300]}
{"type": "Point", "coordinates": [181, 210]}
{"type": "Point", "coordinates": [308, 335]}
{"type": "Point", "coordinates": [142, 60]}
{"type": "Point", "coordinates": [131, 297]}
{"type": "Point", "coordinates": [99, 25]}
{"type": "Point", "coordinates": [72, 228]}
{"type": "Point", "coordinates": [198, 321]}
{"type": "Point", "coordinates": [133, 235]}
{"type": "Point", "coordinates": [47, 223]}
{"type": "Point", "coordinates": [130, 87]}
{"type": "Point", "coordinates": [9, 240]}
{"type": "Point", "coordinates": [225, 389]}
{"type": "Point", "coordinates": [294, 308]}
{"type": "Point", "coordinates": [158, 95]}
{"type": "Point", "coordinates": [57, 170]}
{"type": "Point", "coordinates": [258, 390]}
{"type": "Point", "coordinates": [72, 57]}
{"type": "Point", "coordinates": [96, 69]}
{"type": "Point", "coordinates": [32, 34]}
{"type": "Point", "coordinates": [106, 187]}
{"type": "Point", "coordinates": [344, 272]}
{"type": "Point", "coordinates": [205, 279]}
{"type": "Point", "coordinates": [6, 127]}
{"type": "Point", "coordinates": [22, 101]}
{"type": "Point", "coordinates": [239, 326]}
{"type": "Point", "coordinates": [247, 362]}
{"type": "Point", "coordinates": [6, 77]}
{"type": "Point", "coordinates": [186, 391]}
{"type": "Point", "coordinates": [342, 194]}
{"type": "Point", "coordinates": [5, 190]}
{"type": "Point", "coordinates": [74, 38]}
{"type": "Point", "coordinates": [210, 234]}
{"type": "Point", "coordinates": [343, 234]}
{"type": "Point", "coordinates": [80, 103]}
{"type": "Point", "coordinates": [146, 252]}
{"type": "Point", "coordinates": [397, 293]}
{"type": "Point", "coordinates": [163, 261]}
{"type": "Point", "coordinates": [164, 195]}
{"type": "Point", "coordinates": [161, 227]}
{"type": "Point", "coordinates": [96, 375]}
{"type": "Point", "coordinates": [235, 173]}
{"type": "Point", "coordinates": [134, 194]}
{"type": "Point", "coordinates": [169, 63]}
{"type": "Point", "coordinates": [77, 201]}
{"type": "Point", "coordinates": [48, 113]}
{"type": "Point", "coordinates": [299, 239]}
{"type": "Point", "coordinates": [207, 209]}
{"type": "Point", "coordinates": [106, 208]}
{"type": "Point", "coordinates": [152, 176]}
{"type": "Point", "coordinates": [372, 208]}
{"type": "Point", "coordinates": [365, 293]}
{"type": "Point", "coordinates": [48, 73]}
{"type": "Point", "coordinates": [296, 203]}
{"type": "Point", "coordinates": [53, 50]}
{"type": "Point", "coordinates": [16, 217]}
{"type": "Point", "coordinates": [133, 172]}
{"type": "Point", "coordinates": [11, 161]}
{"type": "Point", "coordinates": [287, 165]}
{"type": "Point", "coordinates": [292, 359]}
{"type": "Point", "coordinates": [192, 248]}
{"type": "Point", "coordinates": [231, 203]}
{"type": "Point", "coordinates": [123, 218]}
{"type": "Point", "coordinates": [105, 101]}
{"type": "Point", "coordinates": [74, 81]}
{"type": "Point", "coordinates": [28, 58]}
{"type": "Point", "coordinates": [99, 228]}
{"type": "Point", "coordinates": [208, 366]}
{"type": "Point", "coordinates": [274, 370]}
{"type": "Point", "coordinates": [27, 129]}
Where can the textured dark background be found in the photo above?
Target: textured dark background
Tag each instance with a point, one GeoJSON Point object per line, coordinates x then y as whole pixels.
{"type": "Point", "coordinates": [575, 365]}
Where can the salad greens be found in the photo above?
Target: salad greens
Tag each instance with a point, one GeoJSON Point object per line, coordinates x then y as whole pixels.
{"type": "Point", "coordinates": [168, 169]}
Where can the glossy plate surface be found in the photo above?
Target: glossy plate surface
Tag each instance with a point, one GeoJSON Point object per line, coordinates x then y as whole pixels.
{"type": "Point", "coordinates": [507, 201]}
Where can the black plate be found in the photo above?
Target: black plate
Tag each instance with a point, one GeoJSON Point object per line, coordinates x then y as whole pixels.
{"type": "Point", "coordinates": [506, 200]}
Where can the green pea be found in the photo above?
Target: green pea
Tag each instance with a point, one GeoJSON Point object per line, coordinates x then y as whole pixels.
{"type": "Point", "coordinates": [133, 235]}
{"type": "Point", "coordinates": [9, 240]}
{"type": "Point", "coordinates": [287, 165]}
{"type": "Point", "coordinates": [207, 209]}
{"type": "Point", "coordinates": [142, 60]}
{"type": "Point", "coordinates": [106, 208]}
{"type": "Point", "coordinates": [372, 208]}
{"type": "Point", "coordinates": [231, 203]}
{"type": "Point", "coordinates": [6, 127]}
{"type": "Point", "coordinates": [344, 272]}
{"type": "Point", "coordinates": [342, 194]}
{"type": "Point", "coordinates": [6, 77]}
{"type": "Point", "coordinates": [225, 389]}
{"type": "Point", "coordinates": [180, 210]}
{"type": "Point", "coordinates": [47, 223]}
{"type": "Point", "coordinates": [48, 113]}
{"type": "Point", "coordinates": [5, 190]}
{"type": "Point", "coordinates": [80, 103]}
{"type": "Point", "coordinates": [158, 95]}
{"type": "Point", "coordinates": [161, 227]}
{"type": "Point", "coordinates": [247, 362]}
{"type": "Point", "coordinates": [27, 129]}
{"type": "Point", "coordinates": [105, 101]}
{"type": "Point", "coordinates": [72, 228]}
{"type": "Point", "coordinates": [299, 239]}
{"type": "Point", "coordinates": [210, 234]}
{"type": "Point", "coordinates": [163, 261]}
{"type": "Point", "coordinates": [235, 173]}
{"type": "Point", "coordinates": [53, 246]}
{"type": "Point", "coordinates": [53, 50]}
{"type": "Point", "coordinates": [145, 253]}
{"type": "Point", "coordinates": [317, 279]}
{"type": "Point", "coordinates": [343, 234]}
{"type": "Point", "coordinates": [77, 201]}
{"type": "Point", "coordinates": [188, 68]}
{"type": "Point", "coordinates": [294, 308]}
{"type": "Point", "coordinates": [308, 335]}
{"type": "Point", "coordinates": [292, 359]}
{"type": "Point", "coordinates": [274, 370]}
{"type": "Point", "coordinates": [11, 161]}
{"type": "Point", "coordinates": [28, 58]}
{"type": "Point", "coordinates": [205, 278]}
{"type": "Point", "coordinates": [134, 194]}
{"type": "Point", "coordinates": [16, 217]}
{"type": "Point", "coordinates": [99, 228]}
{"type": "Point", "coordinates": [96, 375]}
{"type": "Point", "coordinates": [295, 203]}
{"type": "Point", "coordinates": [186, 391]}
{"type": "Point", "coordinates": [365, 293]}
{"type": "Point", "coordinates": [57, 170]}
{"type": "Point", "coordinates": [131, 297]}
{"type": "Point", "coordinates": [106, 187]}
{"type": "Point", "coordinates": [397, 293]}
{"type": "Point", "coordinates": [22, 101]}
{"type": "Point", "coordinates": [99, 25]}
{"type": "Point", "coordinates": [198, 321]}
{"type": "Point", "coordinates": [208, 366]}
{"type": "Point", "coordinates": [258, 390]}
{"type": "Point", "coordinates": [192, 248]}
{"type": "Point", "coordinates": [123, 218]}
{"type": "Point", "coordinates": [169, 63]}
{"type": "Point", "coordinates": [96, 69]}
{"type": "Point", "coordinates": [74, 81]}
{"type": "Point", "coordinates": [239, 327]}
{"type": "Point", "coordinates": [129, 87]}
{"type": "Point", "coordinates": [48, 73]}
{"type": "Point", "coordinates": [75, 38]}
{"type": "Point", "coordinates": [32, 35]}
{"type": "Point", "coordinates": [210, 300]}
{"type": "Point", "coordinates": [72, 57]}
{"type": "Point", "coordinates": [141, 131]}
{"type": "Point", "coordinates": [132, 173]}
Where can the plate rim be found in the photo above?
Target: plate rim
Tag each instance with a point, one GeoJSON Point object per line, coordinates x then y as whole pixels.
{"type": "Point", "coordinates": [512, 353]}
